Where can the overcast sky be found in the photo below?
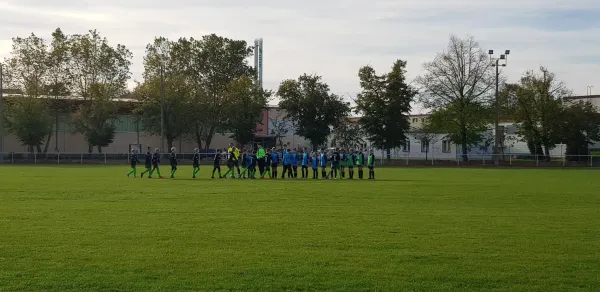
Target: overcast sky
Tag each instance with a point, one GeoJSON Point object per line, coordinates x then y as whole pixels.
{"type": "Point", "coordinates": [333, 38]}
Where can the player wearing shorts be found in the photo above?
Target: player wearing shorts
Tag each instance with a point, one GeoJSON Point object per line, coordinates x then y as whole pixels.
{"type": "Point", "coordinates": [315, 165]}
{"type": "Point", "coordinates": [155, 164]}
{"type": "Point", "coordinates": [147, 163]}
{"type": "Point", "coordinates": [217, 164]}
{"type": "Point", "coordinates": [134, 161]}
{"type": "Point", "coordinates": [360, 162]}
{"type": "Point", "coordinates": [195, 163]}
{"type": "Point", "coordinates": [267, 163]}
{"type": "Point", "coordinates": [173, 162]}
{"type": "Point", "coordinates": [351, 160]}
{"type": "Point", "coordinates": [343, 161]}
{"type": "Point", "coordinates": [371, 165]}
{"type": "Point", "coordinates": [323, 162]}
{"type": "Point", "coordinates": [305, 158]}
{"type": "Point", "coordinates": [274, 162]}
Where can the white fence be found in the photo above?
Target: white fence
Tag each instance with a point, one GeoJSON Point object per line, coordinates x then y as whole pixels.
{"type": "Point", "coordinates": [514, 160]}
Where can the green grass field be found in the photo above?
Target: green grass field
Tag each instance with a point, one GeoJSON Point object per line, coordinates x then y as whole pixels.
{"type": "Point", "coordinates": [414, 229]}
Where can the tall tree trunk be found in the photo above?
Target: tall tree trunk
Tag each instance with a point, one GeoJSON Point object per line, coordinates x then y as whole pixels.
{"type": "Point", "coordinates": [30, 148]}
{"type": "Point", "coordinates": [198, 138]}
{"type": "Point", "coordinates": [90, 148]}
{"type": "Point", "coordinates": [48, 142]}
{"type": "Point", "coordinates": [209, 136]}
{"type": "Point", "coordinates": [38, 148]}
{"type": "Point", "coordinates": [547, 153]}
{"type": "Point", "coordinates": [99, 149]}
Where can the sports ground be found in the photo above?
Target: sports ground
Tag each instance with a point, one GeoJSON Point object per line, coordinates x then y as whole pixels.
{"type": "Point", "coordinates": [77, 228]}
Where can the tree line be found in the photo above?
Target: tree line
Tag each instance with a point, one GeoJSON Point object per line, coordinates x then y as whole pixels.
{"type": "Point", "coordinates": [194, 89]}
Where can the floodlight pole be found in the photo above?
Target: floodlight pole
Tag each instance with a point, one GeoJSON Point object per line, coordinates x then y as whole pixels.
{"type": "Point", "coordinates": [496, 63]}
{"type": "Point", "coordinates": [1, 114]}
{"type": "Point", "coordinates": [589, 89]}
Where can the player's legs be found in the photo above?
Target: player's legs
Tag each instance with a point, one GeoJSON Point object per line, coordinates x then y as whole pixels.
{"type": "Point", "coordinates": [295, 171]}
{"type": "Point", "coordinates": [173, 170]}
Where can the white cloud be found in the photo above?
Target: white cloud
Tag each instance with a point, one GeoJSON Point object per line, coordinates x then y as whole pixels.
{"type": "Point", "coordinates": [332, 37]}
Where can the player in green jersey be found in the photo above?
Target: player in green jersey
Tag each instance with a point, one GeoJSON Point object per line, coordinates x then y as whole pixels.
{"type": "Point", "coordinates": [371, 165]}
{"type": "Point", "coordinates": [360, 162]}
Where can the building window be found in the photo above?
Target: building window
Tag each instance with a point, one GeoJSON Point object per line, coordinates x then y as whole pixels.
{"type": "Point", "coordinates": [424, 146]}
{"type": "Point", "coordinates": [446, 146]}
{"type": "Point", "coordinates": [406, 146]}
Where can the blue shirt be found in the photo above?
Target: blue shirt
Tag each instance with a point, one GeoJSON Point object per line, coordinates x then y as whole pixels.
{"type": "Point", "coordinates": [315, 162]}
{"type": "Point", "coordinates": [274, 157]}
{"type": "Point", "coordinates": [323, 160]}
{"type": "Point", "coordinates": [304, 159]}
{"type": "Point", "coordinates": [294, 158]}
{"type": "Point", "coordinates": [249, 160]}
{"type": "Point", "coordinates": [286, 157]}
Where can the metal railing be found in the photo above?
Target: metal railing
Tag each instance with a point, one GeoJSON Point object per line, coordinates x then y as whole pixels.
{"type": "Point", "coordinates": [405, 159]}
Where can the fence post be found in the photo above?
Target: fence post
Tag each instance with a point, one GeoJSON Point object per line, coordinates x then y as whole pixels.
{"type": "Point", "coordinates": [34, 158]}
{"type": "Point", "coordinates": [58, 158]}
{"type": "Point", "coordinates": [537, 161]}
{"type": "Point", "coordinates": [12, 157]}
{"type": "Point", "coordinates": [509, 159]}
{"type": "Point", "coordinates": [591, 163]}
{"type": "Point", "coordinates": [483, 158]}
{"type": "Point", "coordinates": [81, 159]}
{"type": "Point", "coordinates": [104, 158]}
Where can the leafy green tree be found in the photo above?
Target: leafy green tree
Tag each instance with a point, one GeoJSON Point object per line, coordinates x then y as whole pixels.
{"type": "Point", "coordinates": [165, 88]}
{"type": "Point", "coordinates": [248, 102]}
{"type": "Point", "coordinates": [385, 104]}
{"type": "Point", "coordinates": [215, 62]}
{"type": "Point", "coordinates": [348, 135]}
{"type": "Point", "coordinates": [539, 112]}
{"type": "Point", "coordinates": [580, 129]}
{"type": "Point", "coordinates": [456, 87]}
{"type": "Point", "coordinates": [26, 71]}
{"type": "Point", "coordinates": [98, 74]}
{"type": "Point", "coordinates": [312, 107]}
{"type": "Point", "coordinates": [29, 120]}
{"type": "Point", "coordinates": [59, 79]}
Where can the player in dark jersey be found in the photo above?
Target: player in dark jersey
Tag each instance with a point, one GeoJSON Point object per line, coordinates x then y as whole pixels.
{"type": "Point", "coordinates": [268, 160]}
{"type": "Point", "coordinates": [155, 164]}
{"type": "Point", "coordinates": [253, 164]}
{"type": "Point", "coordinates": [147, 163]}
{"type": "Point", "coordinates": [134, 161]}
{"type": "Point", "coordinates": [217, 164]}
{"type": "Point", "coordinates": [173, 162]}
{"type": "Point", "coordinates": [195, 163]}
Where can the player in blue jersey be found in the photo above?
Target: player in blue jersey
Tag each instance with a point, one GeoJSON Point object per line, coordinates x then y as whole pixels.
{"type": "Point", "coordinates": [314, 159]}
{"type": "Point", "coordinates": [294, 159]}
{"type": "Point", "coordinates": [274, 162]}
{"type": "Point", "coordinates": [305, 158]}
{"type": "Point", "coordinates": [287, 163]}
{"type": "Point", "coordinates": [323, 162]}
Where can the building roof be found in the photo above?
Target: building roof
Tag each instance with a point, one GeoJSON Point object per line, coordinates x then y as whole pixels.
{"type": "Point", "coordinates": [582, 97]}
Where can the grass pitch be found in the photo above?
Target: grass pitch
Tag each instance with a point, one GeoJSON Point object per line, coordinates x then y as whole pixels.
{"type": "Point", "coordinates": [76, 228]}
